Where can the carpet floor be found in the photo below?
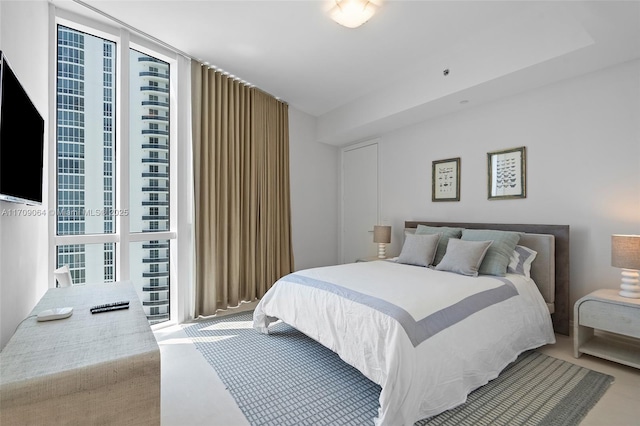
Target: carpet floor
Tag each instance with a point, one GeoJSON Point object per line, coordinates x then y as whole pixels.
{"type": "Point", "coordinates": [286, 378]}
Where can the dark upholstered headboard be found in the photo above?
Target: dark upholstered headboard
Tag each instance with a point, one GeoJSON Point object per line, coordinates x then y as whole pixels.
{"type": "Point", "coordinates": [560, 317]}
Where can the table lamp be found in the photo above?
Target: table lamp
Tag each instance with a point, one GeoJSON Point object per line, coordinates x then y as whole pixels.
{"type": "Point", "coordinates": [382, 236]}
{"type": "Point", "coordinates": [625, 254]}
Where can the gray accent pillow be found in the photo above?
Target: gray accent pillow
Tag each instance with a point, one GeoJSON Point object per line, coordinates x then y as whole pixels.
{"type": "Point", "coordinates": [419, 249]}
{"type": "Point", "coordinates": [464, 257]}
{"type": "Point", "coordinates": [499, 254]}
{"type": "Point", "coordinates": [446, 234]}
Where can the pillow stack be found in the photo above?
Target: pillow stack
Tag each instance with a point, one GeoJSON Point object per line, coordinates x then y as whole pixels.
{"type": "Point", "coordinates": [469, 252]}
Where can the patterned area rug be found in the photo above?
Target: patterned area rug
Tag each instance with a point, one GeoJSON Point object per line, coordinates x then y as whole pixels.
{"type": "Point", "coordinates": [286, 378]}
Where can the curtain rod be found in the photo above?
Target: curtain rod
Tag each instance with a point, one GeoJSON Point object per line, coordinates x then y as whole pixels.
{"type": "Point", "coordinates": [162, 43]}
{"type": "Point", "coordinates": [133, 29]}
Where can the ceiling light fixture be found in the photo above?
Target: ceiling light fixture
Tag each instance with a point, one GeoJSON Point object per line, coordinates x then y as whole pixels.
{"type": "Point", "coordinates": [353, 13]}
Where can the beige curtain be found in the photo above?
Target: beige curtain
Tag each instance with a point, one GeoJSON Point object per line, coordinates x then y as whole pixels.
{"type": "Point", "coordinates": [242, 207]}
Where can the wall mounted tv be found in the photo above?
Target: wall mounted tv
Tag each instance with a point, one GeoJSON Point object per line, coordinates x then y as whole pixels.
{"type": "Point", "coordinates": [21, 141]}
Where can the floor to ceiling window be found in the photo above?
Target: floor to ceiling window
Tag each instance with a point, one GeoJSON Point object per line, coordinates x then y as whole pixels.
{"type": "Point", "coordinates": [113, 171]}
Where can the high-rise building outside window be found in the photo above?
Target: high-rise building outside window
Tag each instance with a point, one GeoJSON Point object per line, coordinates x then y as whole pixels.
{"type": "Point", "coordinates": [92, 222]}
{"type": "Point", "coordinates": [85, 151]}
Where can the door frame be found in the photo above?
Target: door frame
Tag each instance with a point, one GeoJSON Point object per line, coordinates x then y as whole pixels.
{"type": "Point", "coordinates": [357, 145]}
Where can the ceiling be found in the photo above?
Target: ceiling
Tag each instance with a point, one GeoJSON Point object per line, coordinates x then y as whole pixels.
{"type": "Point", "coordinates": [389, 72]}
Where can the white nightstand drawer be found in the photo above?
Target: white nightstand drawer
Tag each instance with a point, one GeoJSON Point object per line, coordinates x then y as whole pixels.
{"type": "Point", "coordinates": [610, 317]}
{"type": "Point", "coordinates": [605, 310]}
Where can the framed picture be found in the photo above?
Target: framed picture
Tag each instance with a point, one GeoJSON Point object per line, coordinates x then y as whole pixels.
{"type": "Point", "coordinates": [445, 180]}
{"type": "Point", "coordinates": [507, 173]}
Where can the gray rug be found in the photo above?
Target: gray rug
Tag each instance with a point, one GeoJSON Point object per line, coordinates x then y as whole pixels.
{"type": "Point", "coordinates": [286, 378]}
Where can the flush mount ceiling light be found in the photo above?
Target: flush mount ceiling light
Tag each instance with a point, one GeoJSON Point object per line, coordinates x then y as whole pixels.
{"type": "Point", "coordinates": [353, 13]}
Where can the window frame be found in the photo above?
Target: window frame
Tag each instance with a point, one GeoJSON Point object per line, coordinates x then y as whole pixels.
{"type": "Point", "coordinates": [122, 237]}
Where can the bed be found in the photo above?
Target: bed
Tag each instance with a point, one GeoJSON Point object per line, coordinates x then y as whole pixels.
{"type": "Point", "coordinates": [428, 337]}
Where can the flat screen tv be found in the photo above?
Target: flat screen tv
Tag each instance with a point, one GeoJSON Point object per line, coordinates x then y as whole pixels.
{"type": "Point", "coordinates": [21, 141]}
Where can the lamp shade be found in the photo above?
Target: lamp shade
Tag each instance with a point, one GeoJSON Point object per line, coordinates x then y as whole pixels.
{"type": "Point", "coordinates": [382, 234]}
{"type": "Point", "coordinates": [625, 251]}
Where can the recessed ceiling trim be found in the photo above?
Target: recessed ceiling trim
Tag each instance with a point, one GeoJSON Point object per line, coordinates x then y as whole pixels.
{"type": "Point", "coordinates": [533, 38]}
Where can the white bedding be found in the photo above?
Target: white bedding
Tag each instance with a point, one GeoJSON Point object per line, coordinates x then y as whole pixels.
{"type": "Point", "coordinates": [428, 338]}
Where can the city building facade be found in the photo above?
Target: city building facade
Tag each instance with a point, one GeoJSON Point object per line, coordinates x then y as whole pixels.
{"type": "Point", "coordinates": [86, 165]}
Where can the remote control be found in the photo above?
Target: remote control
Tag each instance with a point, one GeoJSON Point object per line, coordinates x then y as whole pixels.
{"type": "Point", "coordinates": [108, 305]}
{"type": "Point", "coordinates": [110, 308]}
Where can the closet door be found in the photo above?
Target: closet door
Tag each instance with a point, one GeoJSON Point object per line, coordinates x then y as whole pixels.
{"type": "Point", "coordinates": [359, 201]}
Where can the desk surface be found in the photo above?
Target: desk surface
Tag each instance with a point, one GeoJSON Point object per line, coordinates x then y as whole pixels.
{"type": "Point", "coordinates": [86, 369]}
{"type": "Point", "coordinates": [82, 340]}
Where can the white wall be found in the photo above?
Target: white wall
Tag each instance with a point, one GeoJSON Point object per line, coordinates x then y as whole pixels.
{"type": "Point", "coordinates": [583, 156]}
{"type": "Point", "coordinates": [314, 194]}
{"type": "Point", "coordinates": [23, 239]}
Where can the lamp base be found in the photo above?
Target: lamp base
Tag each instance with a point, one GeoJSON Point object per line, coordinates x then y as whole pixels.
{"type": "Point", "coordinates": [630, 286]}
{"type": "Point", "coordinates": [381, 251]}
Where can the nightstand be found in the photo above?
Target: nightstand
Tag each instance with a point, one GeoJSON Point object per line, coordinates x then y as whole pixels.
{"type": "Point", "coordinates": [605, 310]}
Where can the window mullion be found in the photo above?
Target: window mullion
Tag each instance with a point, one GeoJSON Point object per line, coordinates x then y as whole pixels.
{"type": "Point", "coordinates": [61, 240]}
{"type": "Point", "coordinates": [122, 150]}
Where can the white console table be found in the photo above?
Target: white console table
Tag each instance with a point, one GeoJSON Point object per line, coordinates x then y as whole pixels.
{"type": "Point", "coordinates": [86, 369]}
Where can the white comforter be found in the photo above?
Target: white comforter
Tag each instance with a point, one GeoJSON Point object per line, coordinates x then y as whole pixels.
{"type": "Point", "coordinates": [428, 338]}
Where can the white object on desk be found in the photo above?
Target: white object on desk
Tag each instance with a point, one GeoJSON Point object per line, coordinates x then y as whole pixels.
{"type": "Point", "coordinates": [63, 276]}
{"type": "Point", "coordinates": [55, 314]}
{"type": "Point", "coordinates": [605, 310]}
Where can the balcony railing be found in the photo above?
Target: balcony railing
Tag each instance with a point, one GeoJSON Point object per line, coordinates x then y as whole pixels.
{"type": "Point", "coordinates": [156, 103]}
{"type": "Point", "coordinates": [156, 160]}
{"type": "Point", "coordinates": [154, 89]}
{"type": "Point", "coordinates": [154, 74]}
{"type": "Point", "coordinates": [154, 189]}
{"type": "Point", "coordinates": [156, 288]}
{"type": "Point", "coordinates": [155, 146]}
{"type": "Point", "coordinates": [155, 132]}
{"type": "Point", "coordinates": [155, 175]}
{"type": "Point", "coordinates": [156, 260]}
{"type": "Point", "coordinates": [155, 203]}
{"type": "Point", "coordinates": [155, 245]}
{"type": "Point", "coordinates": [155, 117]}
{"type": "Point", "coordinates": [157, 318]}
{"type": "Point", "coordinates": [155, 274]}
{"type": "Point", "coordinates": [152, 217]}
{"type": "Point", "coordinates": [155, 302]}
{"type": "Point", "coordinates": [151, 59]}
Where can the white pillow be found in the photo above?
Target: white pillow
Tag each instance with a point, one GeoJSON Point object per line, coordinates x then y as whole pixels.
{"type": "Point", "coordinates": [463, 257]}
{"type": "Point", "coordinates": [521, 260]}
{"type": "Point", "coordinates": [419, 250]}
